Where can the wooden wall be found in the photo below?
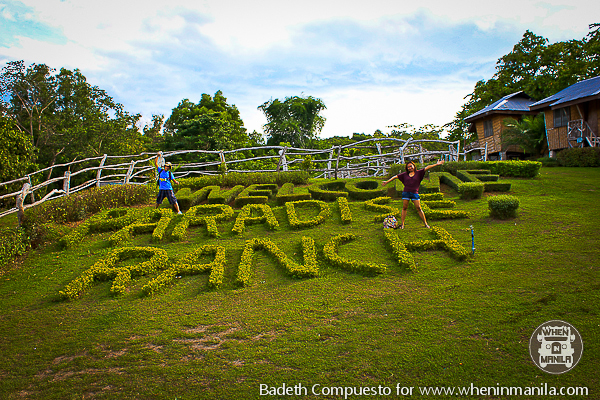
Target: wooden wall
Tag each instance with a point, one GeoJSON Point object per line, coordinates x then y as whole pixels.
{"type": "Point", "coordinates": [494, 142]}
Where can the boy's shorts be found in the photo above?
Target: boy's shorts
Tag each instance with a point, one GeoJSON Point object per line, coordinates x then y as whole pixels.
{"type": "Point", "coordinates": [410, 196]}
{"type": "Point", "coordinates": [162, 193]}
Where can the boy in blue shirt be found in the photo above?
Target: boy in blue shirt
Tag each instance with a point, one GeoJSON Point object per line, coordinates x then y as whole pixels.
{"type": "Point", "coordinates": [165, 189]}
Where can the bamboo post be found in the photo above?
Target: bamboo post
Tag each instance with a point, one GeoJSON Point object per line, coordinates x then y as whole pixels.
{"type": "Point", "coordinates": [337, 162]}
{"type": "Point", "coordinates": [458, 151]}
{"type": "Point", "coordinates": [20, 200]}
{"type": "Point", "coordinates": [67, 182]}
{"type": "Point", "coordinates": [223, 162]}
{"type": "Point", "coordinates": [379, 151]}
{"type": "Point", "coordinates": [129, 171]}
{"type": "Point", "coordinates": [32, 195]}
{"type": "Point", "coordinates": [100, 170]}
{"type": "Point", "coordinates": [281, 159]}
{"type": "Point", "coordinates": [329, 163]}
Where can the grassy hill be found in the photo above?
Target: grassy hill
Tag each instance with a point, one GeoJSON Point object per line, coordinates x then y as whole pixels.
{"type": "Point", "coordinates": [452, 323]}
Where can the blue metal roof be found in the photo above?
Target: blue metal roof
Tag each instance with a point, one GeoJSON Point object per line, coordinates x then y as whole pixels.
{"type": "Point", "coordinates": [580, 90]}
{"type": "Point", "coordinates": [515, 102]}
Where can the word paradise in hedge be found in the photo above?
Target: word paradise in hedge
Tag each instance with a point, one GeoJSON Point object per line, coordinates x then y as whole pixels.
{"type": "Point", "coordinates": [109, 268]}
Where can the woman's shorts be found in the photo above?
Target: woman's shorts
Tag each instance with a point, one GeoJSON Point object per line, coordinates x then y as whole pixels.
{"type": "Point", "coordinates": [410, 196]}
{"type": "Point", "coordinates": [162, 193]}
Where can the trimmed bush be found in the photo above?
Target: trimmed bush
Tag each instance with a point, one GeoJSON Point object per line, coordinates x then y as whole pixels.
{"type": "Point", "coordinates": [106, 269]}
{"type": "Point", "coordinates": [471, 190]}
{"type": "Point", "coordinates": [224, 196]}
{"type": "Point", "coordinates": [378, 205]}
{"type": "Point", "coordinates": [247, 215]}
{"type": "Point", "coordinates": [13, 243]}
{"type": "Point", "coordinates": [328, 190]}
{"type": "Point", "coordinates": [290, 193]}
{"type": "Point", "coordinates": [330, 253]}
{"type": "Point", "coordinates": [345, 213]}
{"type": "Point", "coordinates": [256, 194]}
{"type": "Point", "coordinates": [365, 189]}
{"type": "Point", "coordinates": [405, 259]}
{"type": "Point", "coordinates": [503, 206]}
{"type": "Point", "coordinates": [249, 178]}
{"type": "Point", "coordinates": [514, 168]}
{"type": "Point", "coordinates": [296, 223]}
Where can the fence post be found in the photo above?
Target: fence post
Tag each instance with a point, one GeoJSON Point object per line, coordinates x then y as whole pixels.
{"type": "Point", "coordinates": [337, 162]}
{"type": "Point", "coordinates": [486, 152]}
{"type": "Point", "coordinates": [458, 151]}
{"type": "Point", "coordinates": [378, 144]}
{"type": "Point", "coordinates": [100, 170]}
{"type": "Point", "coordinates": [329, 163]}
{"type": "Point", "coordinates": [282, 159]}
{"type": "Point", "coordinates": [129, 171]}
{"type": "Point", "coordinates": [223, 162]}
{"type": "Point", "coordinates": [67, 182]}
{"type": "Point", "coordinates": [20, 200]}
{"type": "Point", "coordinates": [30, 185]}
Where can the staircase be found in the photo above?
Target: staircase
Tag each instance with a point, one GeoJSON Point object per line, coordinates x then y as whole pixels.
{"type": "Point", "coordinates": [582, 134]}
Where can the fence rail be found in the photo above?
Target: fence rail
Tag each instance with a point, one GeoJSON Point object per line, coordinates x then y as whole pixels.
{"type": "Point", "coordinates": [335, 162]}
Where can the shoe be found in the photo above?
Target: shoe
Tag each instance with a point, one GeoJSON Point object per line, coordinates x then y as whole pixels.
{"type": "Point", "coordinates": [427, 226]}
{"type": "Point", "coordinates": [179, 212]}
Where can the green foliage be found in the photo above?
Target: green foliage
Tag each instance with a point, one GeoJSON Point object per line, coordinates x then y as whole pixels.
{"type": "Point", "coordinates": [206, 214]}
{"type": "Point", "coordinates": [290, 193]}
{"type": "Point", "coordinates": [379, 205]}
{"type": "Point", "coordinates": [405, 259]}
{"type": "Point", "coordinates": [256, 194]}
{"type": "Point", "coordinates": [328, 190]}
{"type": "Point", "coordinates": [364, 189]}
{"type": "Point", "coordinates": [330, 251]}
{"type": "Point", "coordinates": [513, 168]}
{"type": "Point", "coordinates": [503, 206]}
{"type": "Point", "coordinates": [579, 157]}
{"type": "Point", "coordinates": [345, 213]}
{"type": "Point", "coordinates": [297, 223]}
{"type": "Point", "coordinates": [190, 265]}
{"type": "Point", "coordinates": [308, 270]}
{"type": "Point", "coordinates": [296, 120]}
{"type": "Point", "coordinates": [212, 124]}
{"type": "Point", "coordinates": [250, 178]}
{"type": "Point", "coordinates": [529, 133]}
{"type": "Point", "coordinates": [13, 242]}
{"type": "Point", "coordinates": [78, 205]}
{"type": "Point", "coordinates": [64, 117]}
{"type": "Point", "coordinates": [248, 215]}
{"type": "Point", "coordinates": [107, 269]}
{"type": "Point", "coordinates": [471, 190]}
{"type": "Point", "coordinates": [536, 67]}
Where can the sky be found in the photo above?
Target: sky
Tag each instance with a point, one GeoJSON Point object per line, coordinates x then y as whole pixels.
{"type": "Point", "coordinates": [373, 63]}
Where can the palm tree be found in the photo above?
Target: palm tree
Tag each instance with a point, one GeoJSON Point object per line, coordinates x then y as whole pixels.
{"type": "Point", "coordinates": [529, 133]}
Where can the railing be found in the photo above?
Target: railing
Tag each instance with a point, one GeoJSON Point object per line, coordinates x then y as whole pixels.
{"type": "Point", "coordinates": [580, 132]}
{"type": "Point", "coordinates": [334, 162]}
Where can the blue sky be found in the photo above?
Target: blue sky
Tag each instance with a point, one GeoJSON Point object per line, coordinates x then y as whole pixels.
{"type": "Point", "coordinates": [374, 64]}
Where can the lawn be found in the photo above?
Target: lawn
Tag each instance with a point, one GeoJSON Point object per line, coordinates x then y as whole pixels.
{"type": "Point", "coordinates": [449, 324]}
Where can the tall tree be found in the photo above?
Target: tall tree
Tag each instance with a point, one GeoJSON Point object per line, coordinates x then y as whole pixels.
{"type": "Point", "coordinates": [63, 115]}
{"type": "Point", "coordinates": [536, 67]}
{"type": "Point", "coordinates": [296, 120]}
{"type": "Point", "coordinates": [212, 124]}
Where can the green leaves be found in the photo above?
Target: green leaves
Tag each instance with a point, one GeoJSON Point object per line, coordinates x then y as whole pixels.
{"type": "Point", "coordinates": [296, 120]}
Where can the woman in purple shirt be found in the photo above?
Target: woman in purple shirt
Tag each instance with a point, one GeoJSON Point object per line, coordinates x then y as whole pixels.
{"type": "Point", "coordinates": [411, 180]}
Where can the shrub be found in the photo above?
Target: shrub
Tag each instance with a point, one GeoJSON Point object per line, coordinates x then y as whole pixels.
{"type": "Point", "coordinates": [330, 253]}
{"type": "Point", "coordinates": [106, 269]}
{"type": "Point", "coordinates": [246, 216]}
{"type": "Point", "coordinates": [328, 190]}
{"type": "Point", "coordinates": [221, 196]}
{"type": "Point", "coordinates": [296, 223]}
{"type": "Point", "coordinates": [405, 259]}
{"type": "Point", "coordinates": [471, 190]}
{"type": "Point", "coordinates": [13, 243]}
{"type": "Point", "coordinates": [365, 189]}
{"type": "Point", "coordinates": [205, 214]}
{"type": "Point", "coordinates": [290, 193]}
{"type": "Point", "coordinates": [239, 178]}
{"type": "Point", "coordinates": [150, 220]}
{"type": "Point", "coordinates": [77, 206]}
{"type": "Point", "coordinates": [548, 162]}
{"type": "Point", "coordinates": [579, 157]}
{"type": "Point", "coordinates": [345, 213]}
{"type": "Point", "coordinates": [514, 168]}
{"type": "Point", "coordinates": [378, 205]}
{"type": "Point", "coordinates": [503, 206]}
{"type": "Point", "coordinates": [309, 269]}
{"type": "Point", "coordinates": [256, 194]}
{"type": "Point", "coordinates": [190, 266]}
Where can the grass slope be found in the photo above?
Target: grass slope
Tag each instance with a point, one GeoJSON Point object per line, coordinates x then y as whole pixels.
{"type": "Point", "coordinates": [450, 324]}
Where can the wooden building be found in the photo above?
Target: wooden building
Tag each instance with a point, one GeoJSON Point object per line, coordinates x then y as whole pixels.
{"type": "Point", "coordinates": [572, 116]}
{"type": "Point", "coordinates": [488, 124]}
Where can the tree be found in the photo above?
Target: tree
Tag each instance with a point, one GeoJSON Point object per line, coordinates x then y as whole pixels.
{"type": "Point", "coordinates": [64, 116]}
{"type": "Point", "coordinates": [529, 133]}
{"type": "Point", "coordinates": [212, 124]}
{"type": "Point", "coordinates": [536, 67]}
{"type": "Point", "coordinates": [295, 120]}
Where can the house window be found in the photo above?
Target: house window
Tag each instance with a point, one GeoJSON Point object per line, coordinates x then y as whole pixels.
{"type": "Point", "coordinates": [488, 128]}
{"type": "Point", "coordinates": [561, 117]}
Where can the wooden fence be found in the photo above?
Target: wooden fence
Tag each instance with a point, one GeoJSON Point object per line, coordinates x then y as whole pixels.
{"type": "Point", "coordinates": [335, 162]}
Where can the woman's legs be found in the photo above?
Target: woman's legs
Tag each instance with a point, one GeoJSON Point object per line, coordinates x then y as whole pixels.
{"type": "Point", "coordinates": [417, 204]}
{"type": "Point", "coordinates": [403, 215]}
